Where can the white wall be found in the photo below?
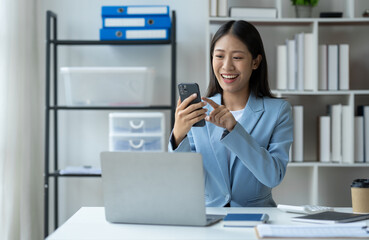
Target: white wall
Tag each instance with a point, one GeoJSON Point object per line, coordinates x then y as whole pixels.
{"type": "Point", "coordinates": [84, 134]}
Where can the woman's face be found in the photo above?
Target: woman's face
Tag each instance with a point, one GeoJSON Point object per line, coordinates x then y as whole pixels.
{"type": "Point", "coordinates": [233, 64]}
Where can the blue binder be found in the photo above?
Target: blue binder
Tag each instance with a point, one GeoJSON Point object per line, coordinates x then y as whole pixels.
{"type": "Point", "coordinates": [140, 10]}
{"type": "Point", "coordinates": [134, 34]}
{"type": "Point", "coordinates": [144, 22]}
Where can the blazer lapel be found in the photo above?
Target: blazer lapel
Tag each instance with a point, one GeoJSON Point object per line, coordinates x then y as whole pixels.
{"type": "Point", "coordinates": [220, 152]}
{"type": "Point", "coordinates": [253, 111]}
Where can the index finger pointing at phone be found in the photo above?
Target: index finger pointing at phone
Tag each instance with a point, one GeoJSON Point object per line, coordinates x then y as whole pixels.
{"type": "Point", "coordinates": [211, 102]}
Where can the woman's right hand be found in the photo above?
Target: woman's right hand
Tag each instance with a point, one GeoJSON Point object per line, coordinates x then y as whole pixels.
{"type": "Point", "coordinates": [186, 116]}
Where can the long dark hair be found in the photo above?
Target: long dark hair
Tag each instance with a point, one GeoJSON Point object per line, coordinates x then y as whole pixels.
{"type": "Point", "coordinates": [250, 36]}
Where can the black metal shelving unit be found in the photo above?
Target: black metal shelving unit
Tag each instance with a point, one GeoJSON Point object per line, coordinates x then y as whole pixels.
{"type": "Point", "coordinates": [52, 44]}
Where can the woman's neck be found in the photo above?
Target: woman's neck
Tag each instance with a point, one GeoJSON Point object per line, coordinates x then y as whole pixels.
{"type": "Point", "coordinates": [235, 101]}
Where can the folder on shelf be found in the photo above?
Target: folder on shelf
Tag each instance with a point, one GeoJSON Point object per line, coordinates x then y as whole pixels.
{"type": "Point", "coordinates": [124, 11]}
{"type": "Point", "coordinates": [144, 22]}
{"type": "Point", "coordinates": [133, 34]}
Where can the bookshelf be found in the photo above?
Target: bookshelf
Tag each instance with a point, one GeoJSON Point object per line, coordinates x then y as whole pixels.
{"type": "Point", "coordinates": [314, 182]}
{"type": "Point", "coordinates": [54, 118]}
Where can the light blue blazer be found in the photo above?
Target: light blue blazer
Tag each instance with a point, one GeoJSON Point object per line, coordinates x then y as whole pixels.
{"type": "Point", "coordinates": [258, 147]}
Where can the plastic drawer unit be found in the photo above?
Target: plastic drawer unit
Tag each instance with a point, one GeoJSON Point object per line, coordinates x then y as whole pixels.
{"type": "Point", "coordinates": [136, 131]}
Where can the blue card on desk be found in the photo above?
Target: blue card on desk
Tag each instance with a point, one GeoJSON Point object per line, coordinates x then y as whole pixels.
{"type": "Point", "coordinates": [244, 219]}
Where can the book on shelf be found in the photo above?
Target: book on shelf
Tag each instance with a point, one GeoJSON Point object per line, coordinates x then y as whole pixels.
{"type": "Point", "coordinates": [343, 50]}
{"type": "Point", "coordinates": [310, 83]}
{"type": "Point", "coordinates": [336, 136]}
{"type": "Point", "coordinates": [323, 68]}
{"type": "Point", "coordinates": [247, 12]}
{"type": "Point", "coordinates": [291, 64]}
{"type": "Point", "coordinates": [324, 138]}
{"type": "Point", "coordinates": [359, 139]}
{"type": "Point", "coordinates": [281, 67]}
{"type": "Point", "coordinates": [366, 133]}
{"type": "Point", "coordinates": [300, 61]}
{"type": "Point", "coordinates": [363, 111]}
{"type": "Point", "coordinates": [213, 8]}
{"type": "Point", "coordinates": [347, 134]}
{"type": "Point", "coordinates": [332, 67]}
{"type": "Point", "coordinates": [298, 134]}
{"type": "Point", "coordinates": [222, 8]}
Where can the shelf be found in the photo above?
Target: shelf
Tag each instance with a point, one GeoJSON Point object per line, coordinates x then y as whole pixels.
{"type": "Point", "coordinates": [293, 21]}
{"type": "Point", "coordinates": [110, 108]}
{"type": "Point", "coordinates": [57, 174]}
{"type": "Point", "coordinates": [321, 92]}
{"type": "Point", "coordinates": [98, 42]}
{"type": "Point", "coordinates": [52, 107]}
{"type": "Point", "coordinates": [320, 164]}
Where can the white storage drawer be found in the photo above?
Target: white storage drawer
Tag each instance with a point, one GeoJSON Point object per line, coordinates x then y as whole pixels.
{"type": "Point", "coordinates": [136, 122]}
{"type": "Point", "coordinates": [136, 143]}
{"type": "Point", "coordinates": [108, 86]}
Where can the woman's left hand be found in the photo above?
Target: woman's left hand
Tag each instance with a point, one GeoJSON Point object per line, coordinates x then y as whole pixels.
{"type": "Point", "coordinates": [220, 116]}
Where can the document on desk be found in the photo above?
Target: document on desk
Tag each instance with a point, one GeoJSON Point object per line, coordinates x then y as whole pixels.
{"type": "Point", "coordinates": [357, 230]}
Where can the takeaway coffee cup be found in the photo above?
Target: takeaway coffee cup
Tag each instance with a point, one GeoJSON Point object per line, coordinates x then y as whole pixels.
{"type": "Point", "coordinates": [360, 195]}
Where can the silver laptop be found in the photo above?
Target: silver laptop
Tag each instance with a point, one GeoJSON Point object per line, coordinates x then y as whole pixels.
{"type": "Point", "coordinates": [154, 188]}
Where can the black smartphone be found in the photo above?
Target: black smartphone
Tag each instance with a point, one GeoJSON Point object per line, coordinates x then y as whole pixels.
{"type": "Point", "coordinates": [186, 90]}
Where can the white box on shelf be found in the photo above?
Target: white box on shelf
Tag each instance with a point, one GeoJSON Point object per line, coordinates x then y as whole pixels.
{"type": "Point", "coordinates": [136, 122]}
{"type": "Point", "coordinates": [108, 86]}
{"type": "Point", "coordinates": [253, 12]}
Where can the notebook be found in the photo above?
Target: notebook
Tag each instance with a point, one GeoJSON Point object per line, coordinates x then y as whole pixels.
{"type": "Point", "coordinates": [331, 217]}
{"type": "Point", "coordinates": [244, 219]}
{"type": "Point", "coordinates": [154, 188]}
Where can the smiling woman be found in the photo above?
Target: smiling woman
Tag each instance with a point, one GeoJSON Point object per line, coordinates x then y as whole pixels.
{"type": "Point", "coordinates": [245, 143]}
{"type": "Point", "coordinates": [20, 122]}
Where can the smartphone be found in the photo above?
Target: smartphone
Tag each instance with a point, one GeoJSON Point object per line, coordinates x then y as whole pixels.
{"type": "Point", "coordinates": [186, 90]}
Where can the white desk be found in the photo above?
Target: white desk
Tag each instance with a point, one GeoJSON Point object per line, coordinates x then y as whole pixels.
{"type": "Point", "coordinates": [90, 223]}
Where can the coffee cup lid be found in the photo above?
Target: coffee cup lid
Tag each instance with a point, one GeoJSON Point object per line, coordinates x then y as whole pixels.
{"type": "Point", "coordinates": [360, 183]}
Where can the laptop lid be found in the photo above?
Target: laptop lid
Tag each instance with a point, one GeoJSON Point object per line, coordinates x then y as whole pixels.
{"type": "Point", "coordinates": [153, 188]}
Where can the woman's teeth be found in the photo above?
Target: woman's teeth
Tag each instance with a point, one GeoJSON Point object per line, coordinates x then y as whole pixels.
{"type": "Point", "coordinates": [229, 76]}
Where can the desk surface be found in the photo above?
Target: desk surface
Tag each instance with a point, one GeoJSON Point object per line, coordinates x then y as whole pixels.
{"type": "Point", "coordinates": [90, 223]}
